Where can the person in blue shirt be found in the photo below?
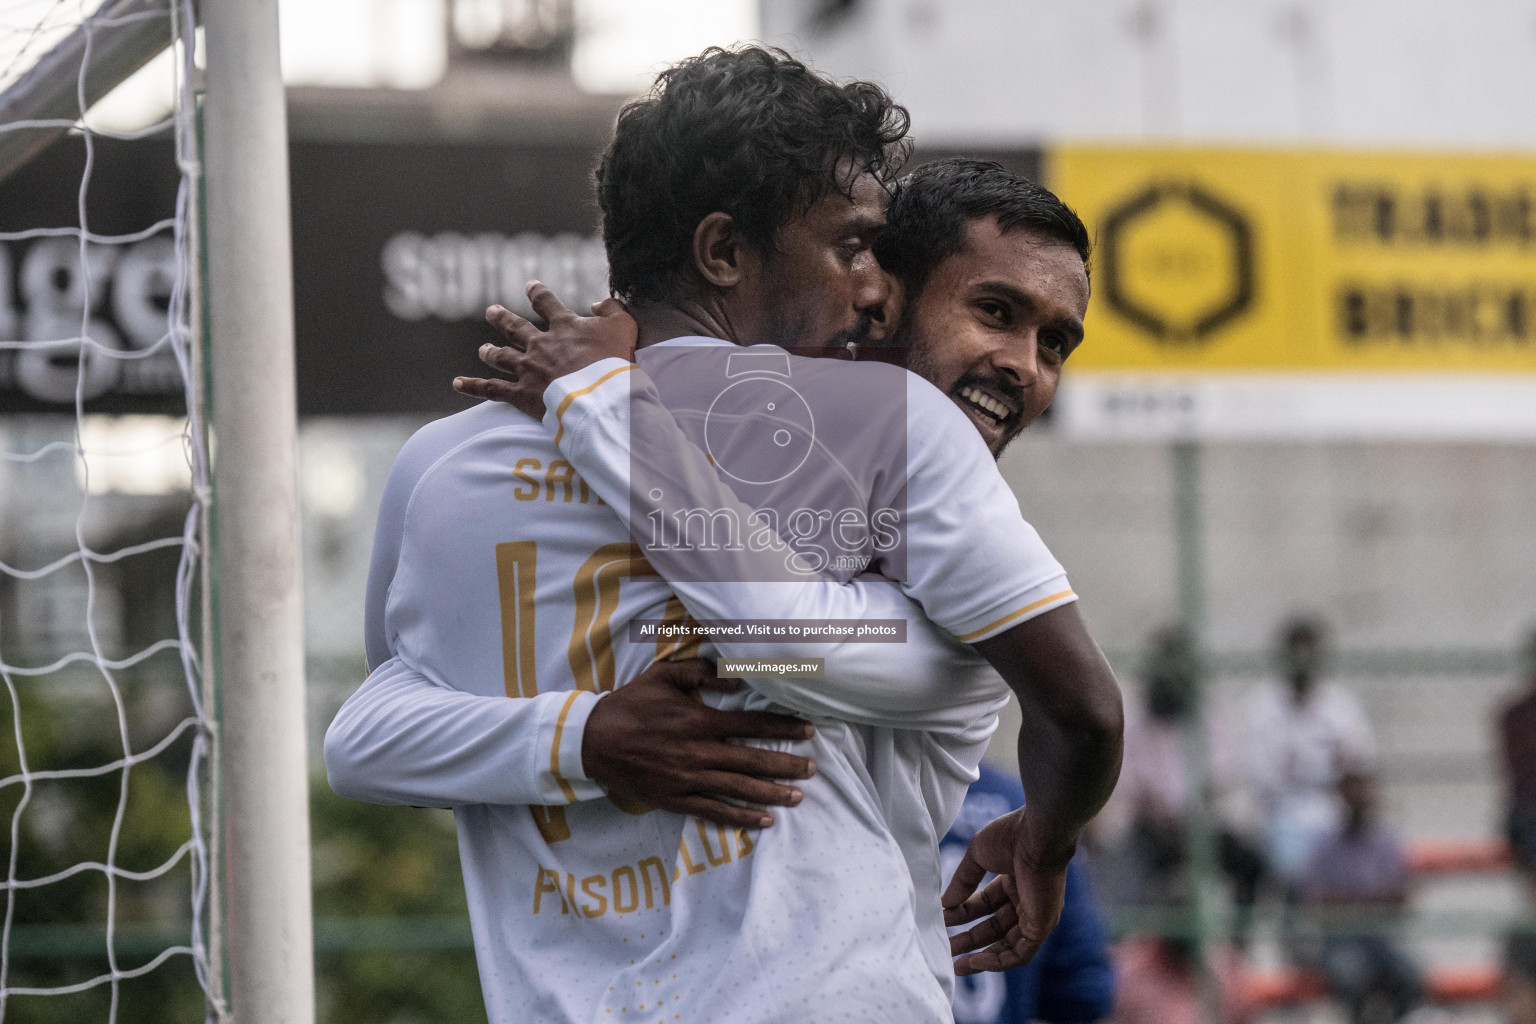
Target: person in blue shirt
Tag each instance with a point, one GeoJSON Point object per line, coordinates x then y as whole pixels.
{"type": "Point", "coordinates": [1071, 980]}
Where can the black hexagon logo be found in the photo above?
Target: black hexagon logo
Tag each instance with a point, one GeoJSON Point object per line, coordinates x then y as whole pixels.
{"type": "Point", "coordinates": [1178, 262]}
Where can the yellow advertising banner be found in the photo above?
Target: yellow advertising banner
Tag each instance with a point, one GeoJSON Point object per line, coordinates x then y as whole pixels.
{"type": "Point", "coordinates": [1276, 260]}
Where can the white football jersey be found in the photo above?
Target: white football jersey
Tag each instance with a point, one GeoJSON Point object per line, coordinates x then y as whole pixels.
{"type": "Point", "coordinates": [506, 576]}
{"type": "Point", "coordinates": [926, 709]}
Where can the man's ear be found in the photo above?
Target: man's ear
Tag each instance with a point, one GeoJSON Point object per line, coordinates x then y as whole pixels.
{"type": "Point", "coordinates": [718, 251]}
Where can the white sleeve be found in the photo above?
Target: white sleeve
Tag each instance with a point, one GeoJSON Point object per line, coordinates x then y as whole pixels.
{"type": "Point", "coordinates": [404, 739]}
{"type": "Point", "coordinates": [1264, 737]}
{"type": "Point", "coordinates": [423, 448]}
{"type": "Point", "coordinates": [973, 562]}
{"type": "Point", "coordinates": [1357, 741]}
{"type": "Point", "coordinates": [928, 682]}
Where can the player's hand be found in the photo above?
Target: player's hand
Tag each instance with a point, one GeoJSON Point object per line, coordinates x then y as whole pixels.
{"type": "Point", "coordinates": [533, 358]}
{"type": "Point", "coordinates": [1024, 901]}
{"type": "Point", "coordinates": [653, 741]}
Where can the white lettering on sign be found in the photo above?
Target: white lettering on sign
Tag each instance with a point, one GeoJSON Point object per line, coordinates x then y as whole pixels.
{"type": "Point", "coordinates": [452, 276]}
{"type": "Point", "coordinates": [117, 297]}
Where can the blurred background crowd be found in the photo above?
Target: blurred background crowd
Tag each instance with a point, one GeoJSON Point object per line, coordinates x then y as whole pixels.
{"type": "Point", "coordinates": [1270, 806]}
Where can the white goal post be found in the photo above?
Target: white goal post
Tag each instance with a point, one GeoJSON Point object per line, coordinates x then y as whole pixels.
{"type": "Point", "coordinates": [257, 575]}
{"type": "Point", "coordinates": [259, 911]}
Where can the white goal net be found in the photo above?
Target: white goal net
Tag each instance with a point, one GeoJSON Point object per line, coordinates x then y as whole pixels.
{"type": "Point", "coordinates": [106, 794]}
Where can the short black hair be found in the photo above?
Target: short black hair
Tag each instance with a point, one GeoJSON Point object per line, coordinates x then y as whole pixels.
{"type": "Point", "coordinates": [925, 224]}
{"type": "Point", "coordinates": [1302, 631]}
{"type": "Point", "coordinates": [751, 132]}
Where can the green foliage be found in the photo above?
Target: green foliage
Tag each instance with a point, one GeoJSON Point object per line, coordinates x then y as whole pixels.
{"type": "Point", "coordinates": [395, 870]}
{"type": "Point", "coordinates": [68, 721]}
{"type": "Point", "coordinates": [393, 938]}
{"type": "Point", "coordinates": [399, 987]}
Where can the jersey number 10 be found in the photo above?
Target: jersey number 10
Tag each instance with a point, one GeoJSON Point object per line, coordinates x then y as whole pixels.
{"type": "Point", "coordinates": [590, 652]}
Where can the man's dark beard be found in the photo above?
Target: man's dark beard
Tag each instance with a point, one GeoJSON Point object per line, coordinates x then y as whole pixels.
{"type": "Point", "coordinates": [851, 337]}
{"type": "Point", "coordinates": [919, 363]}
{"type": "Point", "coordinates": [1010, 390]}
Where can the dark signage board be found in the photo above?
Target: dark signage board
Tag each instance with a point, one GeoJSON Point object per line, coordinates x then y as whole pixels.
{"type": "Point", "coordinates": [44, 295]}
{"type": "Point", "coordinates": [398, 249]}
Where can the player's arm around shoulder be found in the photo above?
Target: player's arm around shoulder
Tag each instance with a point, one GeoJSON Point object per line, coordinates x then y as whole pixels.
{"type": "Point", "coordinates": [534, 359]}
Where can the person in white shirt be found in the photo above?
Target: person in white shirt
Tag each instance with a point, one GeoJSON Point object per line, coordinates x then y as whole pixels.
{"type": "Point", "coordinates": [1301, 734]}
{"type": "Point", "coordinates": [978, 277]}
{"type": "Point", "coordinates": [759, 926]}
{"type": "Point", "coordinates": [1144, 830]}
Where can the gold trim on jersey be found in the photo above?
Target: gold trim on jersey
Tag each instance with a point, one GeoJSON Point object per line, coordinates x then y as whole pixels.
{"type": "Point", "coordinates": [989, 627]}
{"type": "Point", "coordinates": [517, 568]}
{"type": "Point", "coordinates": [596, 589]}
{"type": "Point", "coordinates": [673, 644]}
{"type": "Point", "coordinates": [590, 652]}
{"type": "Point", "coordinates": [554, 749]}
{"type": "Point", "coordinates": [718, 845]}
{"type": "Point", "coordinates": [565, 403]}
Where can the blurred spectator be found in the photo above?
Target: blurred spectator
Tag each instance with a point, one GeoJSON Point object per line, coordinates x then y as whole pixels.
{"type": "Point", "coordinates": [1517, 733]}
{"type": "Point", "coordinates": [1157, 780]}
{"type": "Point", "coordinates": [1300, 734]}
{"type": "Point", "coordinates": [1520, 978]}
{"type": "Point", "coordinates": [1159, 984]}
{"type": "Point", "coordinates": [1070, 981]}
{"type": "Point", "coordinates": [1361, 868]}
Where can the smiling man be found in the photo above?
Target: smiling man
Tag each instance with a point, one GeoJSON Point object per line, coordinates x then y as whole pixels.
{"type": "Point", "coordinates": [991, 276]}
{"type": "Point", "coordinates": [994, 271]}
{"type": "Point", "coordinates": [741, 200]}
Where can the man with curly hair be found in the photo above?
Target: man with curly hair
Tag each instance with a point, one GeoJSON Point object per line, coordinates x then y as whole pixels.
{"type": "Point", "coordinates": [741, 203]}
